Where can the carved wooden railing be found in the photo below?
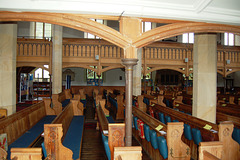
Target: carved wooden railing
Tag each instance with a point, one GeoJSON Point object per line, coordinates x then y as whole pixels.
{"type": "Point", "coordinates": [101, 52]}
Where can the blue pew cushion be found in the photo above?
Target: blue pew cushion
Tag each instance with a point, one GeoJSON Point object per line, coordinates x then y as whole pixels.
{"type": "Point", "coordinates": [106, 146]}
{"type": "Point", "coordinates": [110, 119]}
{"type": "Point", "coordinates": [113, 102]}
{"type": "Point", "coordinates": [197, 138]}
{"type": "Point", "coordinates": [168, 119]}
{"type": "Point", "coordinates": [135, 122]}
{"type": "Point", "coordinates": [84, 102]}
{"type": "Point", "coordinates": [175, 120]}
{"type": "Point", "coordinates": [147, 132]}
{"type": "Point", "coordinates": [187, 132]}
{"type": "Point", "coordinates": [65, 102]}
{"type": "Point", "coordinates": [44, 150]}
{"type": "Point", "coordinates": [153, 137]}
{"type": "Point", "coordinates": [162, 146]}
{"type": "Point", "coordinates": [236, 134]}
{"type": "Point", "coordinates": [28, 137]}
{"type": "Point", "coordinates": [73, 137]}
{"type": "Point", "coordinates": [161, 117]}
{"type": "Point", "coordinates": [146, 101]}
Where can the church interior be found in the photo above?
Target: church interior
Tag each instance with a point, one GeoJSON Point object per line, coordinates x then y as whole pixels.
{"type": "Point", "coordinates": [120, 80]}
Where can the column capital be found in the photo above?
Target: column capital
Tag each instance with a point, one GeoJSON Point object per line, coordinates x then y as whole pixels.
{"type": "Point", "coordinates": [129, 61]}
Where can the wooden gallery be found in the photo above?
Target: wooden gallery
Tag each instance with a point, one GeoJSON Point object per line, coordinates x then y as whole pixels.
{"type": "Point", "coordinates": [120, 80]}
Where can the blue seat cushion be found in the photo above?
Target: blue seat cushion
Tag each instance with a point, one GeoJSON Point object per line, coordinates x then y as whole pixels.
{"type": "Point", "coordinates": [197, 138]}
{"type": "Point", "coordinates": [113, 102]}
{"type": "Point", "coordinates": [28, 137]}
{"type": "Point", "coordinates": [146, 101]}
{"type": "Point", "coordinates": [187, 132]}
{"type": "Point", "coordinates": [110, 119]}
{"type": "Point", "coordinates": [236, 134]}
{"type": "Point", "coordinates": [175, 120]}
{"type": "Point", "coordinates": [146, 132]}
{"type": "Point", "coordinates": [153, 137]}
{"type": "Point", "coordinates": [162, 146]}
{"type": "Point", "coordinates": [65, 102]}
{"type": "Point", "coordinates": [106, 146]}
{"type": "Point", "coordinates": [44, 150]}
{"type": "Point", "coordinates": [73, 137]}
{"type": "Point", "coordinates": [161, 117]}
{"type": "Point", "coordinates": [135, 122]}
{"type": "Point", "coordinates": [84, 102]}
{"type": "Point", "coordinates": [168, 119]}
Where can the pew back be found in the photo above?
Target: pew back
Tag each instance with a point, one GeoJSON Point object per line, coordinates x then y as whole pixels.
{"type": "Point", "coordinates": [18, 123]}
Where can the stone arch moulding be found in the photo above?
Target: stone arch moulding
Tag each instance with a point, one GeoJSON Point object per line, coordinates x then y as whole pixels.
{"type": "Point", "coordinates": [71, 21]}
{"type": "Point", "coordinates": [175, 29]}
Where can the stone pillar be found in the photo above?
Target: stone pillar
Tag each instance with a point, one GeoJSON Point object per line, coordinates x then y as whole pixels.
{"type": "Point", "coordinates": [205, 76]}
{"type": "Point", "coordinates": [137, 72]}
{"type": "Point", "coordinates": [57, 59]}
{"type": "Point", "coordinates": [128, 63]}
{"type": "Point", "coordinates": [8, 49]}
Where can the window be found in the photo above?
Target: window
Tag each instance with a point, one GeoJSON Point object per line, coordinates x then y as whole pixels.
{"type": "Point", "coordinates": [41, 74]}
{"type": "Point", "coordinates": [93, 75]}
{"type": "Point", "coordinates": [188, 38]}
{"type": "Point", "coordinates": [91, 36]}
{"type": "Point", "coordinates": [229, 39]}
{"type": "Point", "coordinates": [43, 30]}
{"type": "Point", "coordinates": [146, 26]}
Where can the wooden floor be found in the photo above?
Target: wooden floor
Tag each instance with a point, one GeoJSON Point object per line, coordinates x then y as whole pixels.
{"type": "Point", "coordinates": [92, 146]}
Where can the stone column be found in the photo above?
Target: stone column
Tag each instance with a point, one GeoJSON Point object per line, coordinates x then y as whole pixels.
{"type": "Point", "coordinates": [128, 63]}
{"type": "Point", "coordinates": [8, 49]}
{"type": "Point", "coordinates": [57, 59]}
{"type": "Point", "coordinates": [205, 76]}
{"type": "Point", "coordinates": [137, 72]}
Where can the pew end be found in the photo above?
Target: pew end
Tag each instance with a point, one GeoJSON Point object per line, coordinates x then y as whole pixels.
{"type": "Point", "coordinates": [26, 153]}
{"type": "Point", "coordinates": [174, 136]}
{"type": "Point", "coordinates": [3, 153]}
{"type": "Point", "coordinates": [47, 104]}
{"type": "Point", "coordinates": [231, 149]}
{"type": "Point", "coordinates": [57, 106]}
{"type": "Point", "coordinates": [128, 153]}
{"type": "Point", "coordinates": [52, 139]}
{"type": "Point", "coordinates": [210, 150]}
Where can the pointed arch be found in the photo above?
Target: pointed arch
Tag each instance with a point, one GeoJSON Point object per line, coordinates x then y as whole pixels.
{"type": "Point", "coordinates": [71, 21]}
{"type": "Point", "coordinates": [175, 29]}
{"type": "Point", "coordinates": [160, 68]}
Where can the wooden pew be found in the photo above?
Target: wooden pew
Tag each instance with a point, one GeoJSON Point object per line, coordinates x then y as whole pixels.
{"type": "Point", "coordinates": [26, 153]}
{"type": "Point", "coordinates": [172, 132]}
{"type": "Point", "coordinates": [210, 150]}
{"type": "Point", "coordinates": [114, 131]}
{"type": "Point", "coordinates": [231, 151]}
{"type": "Point", "coordinates": [30, 119]}
{"type": "Point", "coordinates": [128, 153]}
{"type": "Point", "coordinates": [116, 105]}
{"type": "Point", "coordinates": [60, 100]}
{"type": "Point", "coordinates": [68, 124]}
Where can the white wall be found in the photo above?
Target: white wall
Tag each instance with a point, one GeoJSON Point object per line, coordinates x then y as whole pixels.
{"type": "Point", "coordinates": [72, 33]}
{"type": "Point", "coordinates": [110, 78]}
{"type": "Point", "coordinates": [236, 80]}
{"type": "Point", "coordinates": [23, 29]}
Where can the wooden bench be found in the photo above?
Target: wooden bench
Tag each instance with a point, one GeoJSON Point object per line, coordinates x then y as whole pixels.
{"type": "Point", "coordinates": [116, 107]}
{"type": "Point", "coordinates": [23, 128]}
{"type": "Point", "coordinates": [112, 133]}
{"type": "Point", "coordinates": [69, 125]}
{"type": "Point", "coordinates": [61, 100]}
{"type": "Point", "coordinates": [207, 135]}
{"type": "Point", "coordinates": [128, 153]}
{"type": "Point", "coordinates": [26, 153]}
{"type": "Point", "coordinates": [210, 150]}
{"type": "Point", "coordinates": [160, 141]}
